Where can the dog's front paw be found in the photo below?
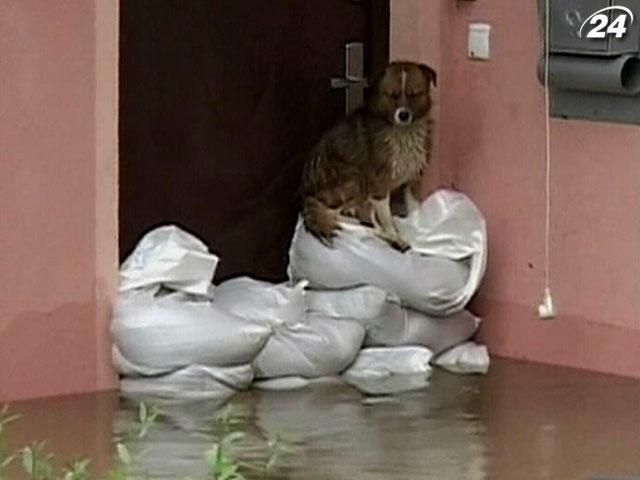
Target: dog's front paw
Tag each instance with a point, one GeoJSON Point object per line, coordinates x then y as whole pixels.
{"type": "Point", "coordinates": [399, 245]}
{"type": "Point", "coordinates": [327, 238]}
{"type": "Point", "coordinates": [328, 241]}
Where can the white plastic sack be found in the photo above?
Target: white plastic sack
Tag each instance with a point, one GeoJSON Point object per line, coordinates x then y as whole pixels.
{"type": "Point", "coordinates": [262, 302]}
{"type": "Point", "coordinates": [302, 345]}
{"type": "Point", "coordinates": [126, 368]}
{"type": "Point", "coordinates": [397, 326]}
{"type": "Point", "coordinates": [468, 357]}
{"type": "Point", "coordinates": [165, 333]}
{"type": "Point", "coordinates": [194, 382]}
{"type": "Point", "coordinates": [282, 383]}
{"type": "Point", "coordinates": [384, 361]}
{"type": "Point", "coordinates": [359, 303]}
{"type": "Point", "coordinates": [316, 348]}
{"type": "Point", "coordinates": [170, 257]}
{"type": "Point", "coordinates": [390, 370]}
{"type": "Point", "coordinates": [440, 273]}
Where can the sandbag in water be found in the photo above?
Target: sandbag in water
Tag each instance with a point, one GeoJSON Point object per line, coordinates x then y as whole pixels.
{"type": "Point", "coordinates": [166, 333]}
{"type": "Point", "coordinates": [302, 345]}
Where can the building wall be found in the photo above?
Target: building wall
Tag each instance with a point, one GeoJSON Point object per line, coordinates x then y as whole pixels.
{"type": "Point", "coordinates": [491, 145]}
{"type": "Point", "coordinates": [58, 64]}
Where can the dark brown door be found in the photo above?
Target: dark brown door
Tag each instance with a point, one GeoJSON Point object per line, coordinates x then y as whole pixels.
{"type": "Point", "coordinates": [220, 101]}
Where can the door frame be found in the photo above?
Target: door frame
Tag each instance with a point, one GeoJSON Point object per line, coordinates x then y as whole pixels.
{"type": "Point", "coordinates": [414, 33]}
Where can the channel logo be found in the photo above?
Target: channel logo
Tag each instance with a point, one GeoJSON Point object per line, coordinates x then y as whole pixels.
{"type": "Point", "coordinates": [600, 24]}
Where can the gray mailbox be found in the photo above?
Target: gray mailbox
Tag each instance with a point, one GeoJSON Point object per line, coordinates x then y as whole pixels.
{"type": "Point", "coordinates": [594, 64]}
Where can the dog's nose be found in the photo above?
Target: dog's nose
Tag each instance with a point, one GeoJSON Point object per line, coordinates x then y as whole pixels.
{"type": "Point", "coordinates": [403, 116]}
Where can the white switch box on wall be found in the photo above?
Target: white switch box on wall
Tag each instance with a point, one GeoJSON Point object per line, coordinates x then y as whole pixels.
{"type": "Point", "coordinates": [479, 41]}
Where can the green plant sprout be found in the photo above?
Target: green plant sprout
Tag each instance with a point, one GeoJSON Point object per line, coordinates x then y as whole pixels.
{"type": "Point", "coordinates": [221, 465]}
{"type": "Point", "coordinates": [147, 417]}
{"type": "Point", "coordinates": [6, 457]}
{"type": "Point", "coordinates": [224, 465]}
{"type": "Point", "coordinates": [78, 470]}
{"type": "Point", "coordinates": [223, 462]}
{"type": "Point", "coordinates": [37, 463]}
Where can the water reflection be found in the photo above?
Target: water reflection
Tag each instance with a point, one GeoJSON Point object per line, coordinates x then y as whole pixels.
{"type": "Point", "coordinates": [343, 434]}
{"type": "Point", "coordinates": [524, 422]}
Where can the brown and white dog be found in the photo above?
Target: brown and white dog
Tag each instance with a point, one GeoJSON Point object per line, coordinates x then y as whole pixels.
{"type": "Point", "coordinates": [377, 152]}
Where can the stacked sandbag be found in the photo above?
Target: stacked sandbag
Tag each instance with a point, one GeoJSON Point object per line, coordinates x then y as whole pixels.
{"type": "Point", "coordinates": [438, 275]}
{"type": "Point", "coordinates": [162, 333]}
{"type": "Point", "coordinates": [170, 338]}
{"type": "Point", "coordinates": [170, 257]}
{"type": "Point", "coordinates": [303, 344]}
{"type": "Point", "coordinates": [416, 298]}
{"type": "Point", "coordinates": [468, 357]}
{"type": "Point", "coordinates": [378, 371]}
{"type": "Point", "coordinates": [389, 324]}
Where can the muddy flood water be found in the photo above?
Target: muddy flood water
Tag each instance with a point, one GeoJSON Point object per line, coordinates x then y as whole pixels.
{"type": "Point", "coordinates": [520, 422]}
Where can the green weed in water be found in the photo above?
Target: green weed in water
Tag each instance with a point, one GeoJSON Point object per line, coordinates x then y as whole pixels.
{"type": "Point", "coordinates": [37, 463]}
{"type": "Point", "coordinates": [230, 428]}
{"type": "Point", "coordinates": [6, 457]}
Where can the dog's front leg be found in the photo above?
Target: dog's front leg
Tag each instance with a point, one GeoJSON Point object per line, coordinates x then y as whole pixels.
{"type": "Point", "coordinates": [384, 224]}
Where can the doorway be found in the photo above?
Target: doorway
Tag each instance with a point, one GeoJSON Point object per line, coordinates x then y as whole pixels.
{"type": "Point", "coordinates": [220, 101]}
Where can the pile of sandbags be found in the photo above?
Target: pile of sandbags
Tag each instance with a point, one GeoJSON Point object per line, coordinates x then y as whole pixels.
{"type": "Point", "coordinates": [169, 336]}
{"type": "Point", "coordinates": [303, 344]}
{"type": "Point", "coordinates": [177, 335]}
{"type": "Point", "coordinates": [416, 298]}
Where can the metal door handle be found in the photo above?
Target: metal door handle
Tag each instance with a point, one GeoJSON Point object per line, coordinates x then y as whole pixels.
{"type": "Point", "coordinates": [339, 83]}
{"type": "Point", "coordinates": [354, 81]}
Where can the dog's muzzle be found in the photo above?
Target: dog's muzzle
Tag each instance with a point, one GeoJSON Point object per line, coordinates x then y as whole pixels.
{"type": "Point", "coordinates": [402, 116]}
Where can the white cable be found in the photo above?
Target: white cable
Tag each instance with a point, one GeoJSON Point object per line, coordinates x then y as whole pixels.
{"type": "Point", "coordinates": [546, 309]}
{"type": "Point", "coordinates": [547, 104]}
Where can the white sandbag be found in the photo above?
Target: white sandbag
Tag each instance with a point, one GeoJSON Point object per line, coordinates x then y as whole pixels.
{"type": "Point", "coordinates": [194, 382]}
{"type": "Point", "coordinates": [378, 371]}
{"type": "Point", "coordinates": [262, 302]}
{"type": "Point", "coordinates": [468, 357]}
{"type": "Point", "coordinates": [440, 273]}
{"type": "Point", "coordinates": [384, 361]}
{"type": "Point", "coordinates": [171, 257]}
{"type": "Point", "coordinates": [315, 348]}
{"type": "Point", "coordinates": [168, 332]}
{"type": "Point", "coordinates": [397, 326]}
{"type": "Point", "coordinates": [129, 369]}
{"type": "Point", "coordinates": [282, 383]}
{"type": "Point", "coordinates": [358, 303]}
{"type": "Point", "coordinates": [301, 345]}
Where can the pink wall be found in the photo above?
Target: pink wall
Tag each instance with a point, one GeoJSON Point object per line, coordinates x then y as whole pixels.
{"type": "Point", "coordinates": [57, 138]}
{"type": "Point", "coordinates": [491, 146]}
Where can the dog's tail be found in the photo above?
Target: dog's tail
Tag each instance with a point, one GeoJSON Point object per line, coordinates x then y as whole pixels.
{"type": "Point", "coordinates": [319, 219]}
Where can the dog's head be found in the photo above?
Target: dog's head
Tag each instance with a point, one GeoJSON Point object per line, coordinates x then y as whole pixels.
{"type": "Point", "coordinates": [402, 94]}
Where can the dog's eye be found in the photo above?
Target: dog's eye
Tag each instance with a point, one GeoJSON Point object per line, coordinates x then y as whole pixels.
{"type": "Point", "coordinates": [416, 94]}
{"type": "Point", "coordinates": [394, 94]}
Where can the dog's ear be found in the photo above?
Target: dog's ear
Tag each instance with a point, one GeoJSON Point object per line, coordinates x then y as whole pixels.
{"type": "Point", "coordinates": [430, 74]}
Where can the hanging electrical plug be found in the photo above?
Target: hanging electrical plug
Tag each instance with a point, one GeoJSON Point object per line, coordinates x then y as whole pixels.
{"type": "Point", "coordinates": [546, 310]}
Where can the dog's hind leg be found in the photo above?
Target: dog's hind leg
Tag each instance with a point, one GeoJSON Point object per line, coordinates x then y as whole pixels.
{"type": "Point", "coordinates": [320, 220]}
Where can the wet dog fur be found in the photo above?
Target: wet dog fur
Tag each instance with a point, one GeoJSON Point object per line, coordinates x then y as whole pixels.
{"type": "Point", "coordinates": [379, 152]}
